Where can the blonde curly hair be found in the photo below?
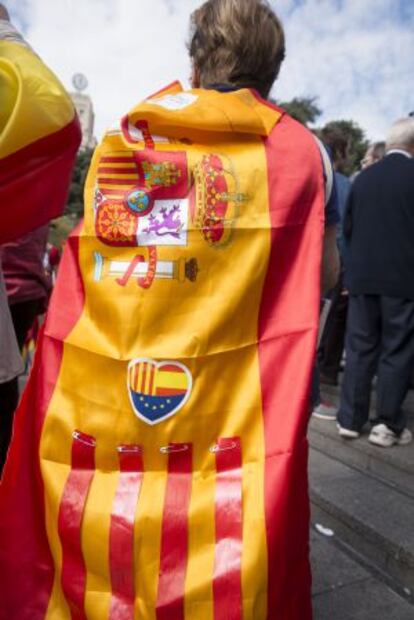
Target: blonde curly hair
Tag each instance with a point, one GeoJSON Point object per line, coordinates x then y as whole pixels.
{"type": "Point", "coordinates": [237, 42]}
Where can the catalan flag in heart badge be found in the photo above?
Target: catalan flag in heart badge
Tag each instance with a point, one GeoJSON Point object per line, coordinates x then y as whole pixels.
{"type": "Point", "coordinates": [158, 390]}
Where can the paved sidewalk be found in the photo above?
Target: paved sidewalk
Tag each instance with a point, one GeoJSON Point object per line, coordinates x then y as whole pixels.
{"type": "Point", "coordinates": [345, 590]}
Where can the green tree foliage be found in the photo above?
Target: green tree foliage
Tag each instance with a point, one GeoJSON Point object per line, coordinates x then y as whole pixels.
{"type": "Point", "coordinates": [303, 109]}
{"type": "Point", "coordinates": [74, 207]}
{"type": "Point", "coordinates": [61, 228]}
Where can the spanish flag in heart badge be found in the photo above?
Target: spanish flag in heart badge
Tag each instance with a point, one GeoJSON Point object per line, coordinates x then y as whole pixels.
{"type": "Point", "coordinates": [158, 390]}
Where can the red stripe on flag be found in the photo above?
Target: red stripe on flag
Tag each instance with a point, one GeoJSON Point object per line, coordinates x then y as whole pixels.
{"type": "Point", "coordinates": [229, 531]}
{"type": "Point", "coordinates": [121, 537]}
{"type": "Point", "coordinates": [174, 536]}
{"type": "Point", "coordinates": [144, 376]}
{"type": "Point", "coordinates": [169, 391]}
{"type": "Point", "coordinates": [171, 368]}
{"type": "Point", "coordinates": [106, 170]}
{"type": "Point", "coordinates": [151, 382]}
{"type": "Point", "coordinates": [136, 379]}
{"type": "Point", "coordinates": [24, 545]}
{"type": "Point", "coordinates": [287, 332]}
{"type": "Point", "coordinates": [71, 512]}
{"type": "Point", "coordinates": [105, 181]}
{"type": "Point", "coordinates": [117, 160]}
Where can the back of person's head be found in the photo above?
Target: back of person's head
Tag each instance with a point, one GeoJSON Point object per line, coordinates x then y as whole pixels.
{"type": "Point", "coordinates": [401, 135]}
{"type": "Point", "coordinates": [240, 43]}
{"type": "Point", "coordinates": [378, 150]}
{"type": "Point", "coordinates": [375, 152]}
{"type": "Point", "coordinates": [337, 141]}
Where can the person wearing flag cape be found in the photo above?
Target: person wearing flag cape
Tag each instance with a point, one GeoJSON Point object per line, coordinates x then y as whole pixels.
{"type": "Point", "coordinates": [158, 468]}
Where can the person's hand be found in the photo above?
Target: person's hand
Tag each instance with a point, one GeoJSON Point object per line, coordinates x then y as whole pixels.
{"type": "Point", "coordinates": [4, 14]}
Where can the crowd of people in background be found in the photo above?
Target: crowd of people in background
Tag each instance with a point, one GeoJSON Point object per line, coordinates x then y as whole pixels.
{"type": "Point", "coordinates": [372, 305]}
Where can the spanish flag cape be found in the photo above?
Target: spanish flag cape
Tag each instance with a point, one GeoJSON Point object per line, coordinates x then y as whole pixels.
{"type": "Point", "coordinates": [159, 463]}
{"type": "Point", "coordinates": [39, 138]}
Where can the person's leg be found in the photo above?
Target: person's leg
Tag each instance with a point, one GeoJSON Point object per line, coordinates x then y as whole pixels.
{"type": "Point", "coordinates": [9, 396]}
{"type": "Point", "coordinates": [335, 341]}
{"type": "Point", "coordinates": [396, 361]}
{"type": "Point", "coordinates": [23, 316]}
{"type": "Point", "coordinates": [315, 390]}
{"type": "Point", "coordinates": [363, 337]}
{"type": "Point", "coordinates": [332, 343]}
{"type": "Point", "coordinates": [321, 407]}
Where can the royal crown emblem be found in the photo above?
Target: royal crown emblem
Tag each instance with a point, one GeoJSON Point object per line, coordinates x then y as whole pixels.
{"type": "Point", "coordinates": [216, 199]}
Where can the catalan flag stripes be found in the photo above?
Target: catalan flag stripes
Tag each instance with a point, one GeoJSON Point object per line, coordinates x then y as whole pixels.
{"type": "Point", "coordinates": [117, 172]}
{"type": "Point", "coordinates": [147, 379]}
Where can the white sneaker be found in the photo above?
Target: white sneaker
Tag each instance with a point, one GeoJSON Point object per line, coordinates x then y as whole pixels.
{"type": "Point", "coordinates": [405, 438]}
{"type": "Point", "coordinates": [325, 411]}
{"type": "Point", "coordinates": [347, 433]}
{"type": "Point", "coordinates": [383, 436]}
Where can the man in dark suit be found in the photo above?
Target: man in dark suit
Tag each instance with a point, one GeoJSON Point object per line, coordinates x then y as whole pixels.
{"type": "Point", "coordinates": [379, 236]}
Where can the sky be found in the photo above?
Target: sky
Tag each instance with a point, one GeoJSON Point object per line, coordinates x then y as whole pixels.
{"type": "Point", "coordinates": [356, 56]}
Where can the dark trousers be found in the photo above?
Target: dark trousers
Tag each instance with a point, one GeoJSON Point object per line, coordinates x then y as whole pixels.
{"type": "Point", "coordinates": [23, 315]}
{"type": "Point", "coordinates": [379, 339]}
{"type": "Point", "coordinates": [331, 347]}
{"type": "Point", "coordinates": [315, 388]}
{"type": "Point", "coordinates": [9, 398]}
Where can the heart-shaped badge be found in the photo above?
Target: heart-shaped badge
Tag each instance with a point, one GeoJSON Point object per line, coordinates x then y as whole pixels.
{"type": "Point", "coordinates": [158, 390]}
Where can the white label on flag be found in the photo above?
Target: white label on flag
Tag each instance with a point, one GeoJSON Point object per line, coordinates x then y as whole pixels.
{"type": "Point", "coordinates": [174, 102]}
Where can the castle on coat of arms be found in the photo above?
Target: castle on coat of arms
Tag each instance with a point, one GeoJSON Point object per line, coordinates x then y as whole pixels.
{"type": "Point", "coordinates": [84, 107]}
